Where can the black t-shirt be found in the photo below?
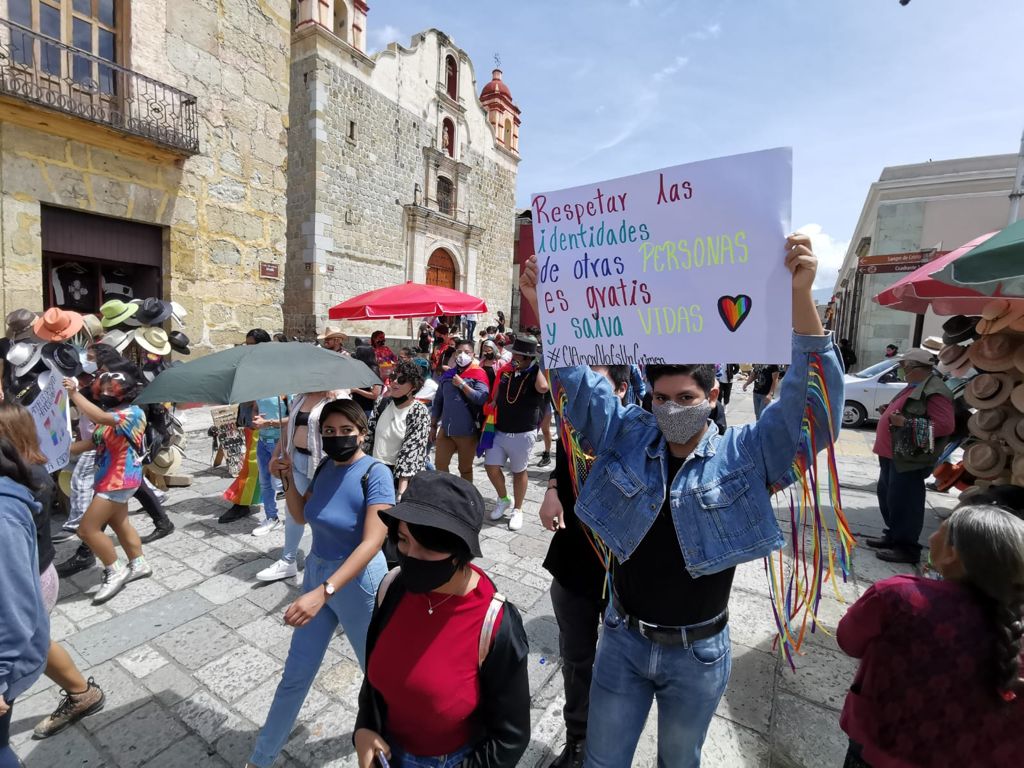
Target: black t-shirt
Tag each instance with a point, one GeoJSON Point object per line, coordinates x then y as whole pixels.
{"type": "Point", "coordinates": [763, 382]}
{"type": "Point", "coordinates": [571, 557]}
{"type": "Point", "coordinates": [518, 401]}
{"type": "Point", "coordinates": [654, 585]}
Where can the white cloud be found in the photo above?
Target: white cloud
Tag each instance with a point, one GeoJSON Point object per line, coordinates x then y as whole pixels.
{"type": "Point", "coordinates": [708, 32]}
{"type": "Point", "coordinates": [830, 253]}
{"type": "Point", "coordinates": [671, 69]}
{"type": "Point", "coordinates": [387, 34]}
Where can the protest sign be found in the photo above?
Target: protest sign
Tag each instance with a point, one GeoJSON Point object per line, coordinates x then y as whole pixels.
{"type": "Point", "coordinates": [681, 265]}
{"type": "Point", "coordinates": [50, 412]}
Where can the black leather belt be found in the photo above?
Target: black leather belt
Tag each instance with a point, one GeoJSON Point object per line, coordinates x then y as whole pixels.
{"type": "Point", "coordinates": [685, 636]}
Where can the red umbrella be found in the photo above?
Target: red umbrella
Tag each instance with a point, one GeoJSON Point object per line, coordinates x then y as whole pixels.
{"type": "Point", "coordinates": [917, 291]}
{"type": "Point", "coordinates": [408, 300]}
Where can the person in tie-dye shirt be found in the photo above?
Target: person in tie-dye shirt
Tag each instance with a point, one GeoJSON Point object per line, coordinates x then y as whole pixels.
{"type": "Point", "coordinates": [119, 439]}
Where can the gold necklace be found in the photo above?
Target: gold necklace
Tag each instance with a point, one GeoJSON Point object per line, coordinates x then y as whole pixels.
{"type": "Point", "coordinates": [522, 383]}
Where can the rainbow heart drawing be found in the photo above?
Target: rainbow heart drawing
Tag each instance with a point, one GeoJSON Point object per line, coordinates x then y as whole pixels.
{"type": "Point", "coordinates": [734, 310]}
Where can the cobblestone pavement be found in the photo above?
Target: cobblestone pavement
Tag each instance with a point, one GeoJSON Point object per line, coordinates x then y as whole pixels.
{"type": "Point", "coordinates": [190, 658]}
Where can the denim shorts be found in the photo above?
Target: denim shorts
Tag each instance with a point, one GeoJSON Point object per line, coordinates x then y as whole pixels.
{"type": "Point", "coordinates": [120, 496]}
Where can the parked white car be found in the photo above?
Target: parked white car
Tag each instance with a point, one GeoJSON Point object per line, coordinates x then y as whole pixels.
{"type": "Point", "coordinates": [868, 390]}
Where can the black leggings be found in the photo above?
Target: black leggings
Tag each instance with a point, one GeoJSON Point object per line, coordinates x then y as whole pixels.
{"type": "Point", "coordinates": [853, 758]}
{"type": "Point", "coordinates": [7, 756]}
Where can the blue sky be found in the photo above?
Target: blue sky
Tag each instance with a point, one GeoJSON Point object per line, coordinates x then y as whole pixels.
{"type": "Point", "coordinates": [613, 87]}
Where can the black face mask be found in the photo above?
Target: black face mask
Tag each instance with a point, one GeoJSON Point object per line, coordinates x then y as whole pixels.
{"type": "Point", "coordinates": [400, 400]}
{"type": "Point", "coordinates": [341, 447]}
{"type": "Point", "coordinates": [108, 402]}
{"type": "Point", "coordinates": [421, 576]}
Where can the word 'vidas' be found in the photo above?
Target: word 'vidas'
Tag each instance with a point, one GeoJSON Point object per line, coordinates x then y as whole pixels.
{"type": "Point", "coordinates": [671, 320]}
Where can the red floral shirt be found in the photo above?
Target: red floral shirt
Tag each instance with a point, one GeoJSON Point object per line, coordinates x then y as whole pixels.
{"type": "Point", "coordinates": [925, 692]}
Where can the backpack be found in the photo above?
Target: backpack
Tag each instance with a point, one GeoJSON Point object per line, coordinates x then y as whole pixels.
{"type": "Point", "coordinates": [486, 628]}
{"type": "Point", "coordinates": [162, 430]}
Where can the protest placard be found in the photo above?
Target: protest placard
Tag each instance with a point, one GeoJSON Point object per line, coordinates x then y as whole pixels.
{"type": "Point", "coordinates": [50, 412]}
{"type": "Point", "coordinates": [680, 265]}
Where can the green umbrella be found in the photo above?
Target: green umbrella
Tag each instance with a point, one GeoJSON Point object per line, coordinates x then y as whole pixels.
{"type": "Point", "coordinates": [250, 372]}
{"type": "Point", "coordinates": [995, 267]}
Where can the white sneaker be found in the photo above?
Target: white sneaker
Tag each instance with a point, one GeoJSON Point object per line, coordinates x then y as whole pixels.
{"type": "Point", "coordinates": [282, 569]}
{"type": "Point", "coordinates": [501, 509]}
{"type": "Point", "coordinates": [139, 569]}
{"type": "Point", "coordinates": [267, 526]}
{"type": "Point", "coordinates": [516, 521]}
{"type": "Point", "coordinates": [113, 582]}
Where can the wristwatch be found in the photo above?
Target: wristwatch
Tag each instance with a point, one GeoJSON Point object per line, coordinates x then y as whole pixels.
{"type": "Point", "coordinates": [329, 588]}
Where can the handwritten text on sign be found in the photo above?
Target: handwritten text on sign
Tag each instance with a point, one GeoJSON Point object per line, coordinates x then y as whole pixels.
{"type": "Point", "coordinates": [681, 265]}
{"type": "Point", "coordinates": [50, 412]}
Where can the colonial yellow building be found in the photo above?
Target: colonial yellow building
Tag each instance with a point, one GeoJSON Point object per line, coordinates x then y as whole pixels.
{"type": "Point", "coordinates": [143, 153]}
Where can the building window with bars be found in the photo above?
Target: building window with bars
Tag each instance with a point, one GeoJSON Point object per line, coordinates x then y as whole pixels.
{"type": "Point", "coordinates": [445, 196]}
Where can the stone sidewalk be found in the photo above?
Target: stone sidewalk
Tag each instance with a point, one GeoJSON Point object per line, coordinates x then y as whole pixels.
{"type": "Point", "coordinates": [190, 658]}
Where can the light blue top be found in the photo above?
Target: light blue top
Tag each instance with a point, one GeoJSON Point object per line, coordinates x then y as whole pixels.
{"type": "Point", "coordinates": [336, 508]}
{"type": "Point", "coordinates": [721, 507]}
{"type": "Point", "coordinates": [271, 408]}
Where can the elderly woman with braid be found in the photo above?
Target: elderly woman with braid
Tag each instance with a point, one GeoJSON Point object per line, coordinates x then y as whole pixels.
{"type": "Point", "coordinates": [939, 682]}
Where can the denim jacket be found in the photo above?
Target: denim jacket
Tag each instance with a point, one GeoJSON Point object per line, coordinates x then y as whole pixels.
{"type": "Point", "coordinates": [721, 507]}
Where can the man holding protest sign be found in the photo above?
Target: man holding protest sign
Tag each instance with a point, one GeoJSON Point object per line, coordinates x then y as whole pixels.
{"type": "Point", "coordinates": [680, 506]}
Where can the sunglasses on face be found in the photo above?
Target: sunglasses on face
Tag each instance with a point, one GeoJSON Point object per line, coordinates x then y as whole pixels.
{"type": "Point", "coordinates": [107, 377]}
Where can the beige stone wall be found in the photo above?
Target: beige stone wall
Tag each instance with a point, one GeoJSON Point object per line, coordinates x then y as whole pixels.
{"type": "Point", "coordinates": [224, 209]}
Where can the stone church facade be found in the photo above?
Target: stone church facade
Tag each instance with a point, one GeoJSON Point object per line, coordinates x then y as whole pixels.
{"type": "Point", "coordinates": [397, 169]}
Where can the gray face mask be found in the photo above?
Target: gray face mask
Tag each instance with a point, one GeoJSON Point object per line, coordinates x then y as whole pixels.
{"type": "Point", "coordinates": [679, 423]}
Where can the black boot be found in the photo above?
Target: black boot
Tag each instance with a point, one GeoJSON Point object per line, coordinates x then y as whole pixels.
{"type": "Point", "coordinates": [162, 527]}
{"type": "Point", "coordinates": [572, 755]}
{"type": "Point", "coordinates": [545, 459]}
{"type": "Point", "coordinates": [83, 559]}
{"type": "Point", "coordinates": [237, 512]}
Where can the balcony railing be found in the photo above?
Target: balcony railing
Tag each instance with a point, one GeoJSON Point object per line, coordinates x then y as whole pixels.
{"type": "Point", "coordinates": [44, 71]}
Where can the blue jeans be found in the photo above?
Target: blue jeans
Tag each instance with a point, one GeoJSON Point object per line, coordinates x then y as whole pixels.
{"type": "Point", "coordinates": [351, 606]}
{"type": "Point", "coordinates": [400, 759]}
{"type": "Point", "coordinates": [901, 497]}
{"type": "Point", "coordinates": [630, 671]}
{"type": "Point", "coordinates": [269, 484]}
{"type": "Point", "coordinates": [292, 530]}
{"type": "Point", "coordinates": [760, 403]}
{"type": "Point", "coordinates": [470, 327]}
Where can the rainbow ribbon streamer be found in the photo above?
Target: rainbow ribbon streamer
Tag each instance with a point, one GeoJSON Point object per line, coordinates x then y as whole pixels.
{"type": "Point", "coordinates": [581, 458]}
{"type": "Point", "coordinates": [817, 559]}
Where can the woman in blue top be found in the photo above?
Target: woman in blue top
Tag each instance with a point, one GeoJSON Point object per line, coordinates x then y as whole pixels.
{"type": "Point", "coordinates": [344, 567]}
{"type": "Point", "coordinates": [24, 625]}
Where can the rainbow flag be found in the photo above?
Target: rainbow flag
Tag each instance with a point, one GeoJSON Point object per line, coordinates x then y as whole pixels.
{"type": "Point", "coordinates": [245, 490]}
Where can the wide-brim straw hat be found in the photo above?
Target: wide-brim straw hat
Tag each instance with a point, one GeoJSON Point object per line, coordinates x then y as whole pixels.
{"type": "Point", "coordinates": [1017, 473]}
{"type": "Point", "coordinates": [953, 356]}
{"type": "Point", "coordinates": [993, 352]}
{"type": "Point", "coordinates": [988, 390]}
{"type": "Point", "coordinates": [985, 459]}
{"type": "Point", "coordinates": [24, 356]}
{"type": "Point", "coordinates": [1012, 431]}
{"type": "Point", "coordinates": [1017, 397]}
{"type": "Point", "coordinates": [1018, 356]}
{"type": "Point", "coordinates": [153, 339]}
{"type": "Point", "coordinates": [332, 332]}
{"type": "Point", "coordinates": [985, 424]}
{"type": "Point", "coordinates": [1009, 318]}
{"type": "Point", "coordinates": [92, 326]}
{"type": "Point", "coordinates": [118, 339]}
{"type": "Point", "coordinates": [167, 461]}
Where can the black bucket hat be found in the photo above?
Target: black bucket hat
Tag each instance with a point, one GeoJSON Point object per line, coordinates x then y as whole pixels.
{"type": "Point", "coordinates": [64, 357]}
{"type": "Point", "coordinates": [959, 328]}
{"type": "Point", "coordinates": [443, 501]}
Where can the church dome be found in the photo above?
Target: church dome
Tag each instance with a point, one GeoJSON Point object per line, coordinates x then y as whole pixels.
{"type": "Point", "coordinates": [496, 87]}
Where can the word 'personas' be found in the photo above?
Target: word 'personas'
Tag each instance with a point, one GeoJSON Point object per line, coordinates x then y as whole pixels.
{"type": "Point", "coordinates": [638, 259]}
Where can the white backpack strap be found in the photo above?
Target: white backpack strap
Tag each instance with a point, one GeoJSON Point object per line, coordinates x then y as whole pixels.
{"type": "Point", "coordinates": [386, 582]}
{"type": "Point", "coordinates": [487, 628]}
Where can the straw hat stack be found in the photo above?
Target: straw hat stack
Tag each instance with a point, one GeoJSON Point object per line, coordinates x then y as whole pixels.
{"type": "Point", "coordinates": [992, 345]}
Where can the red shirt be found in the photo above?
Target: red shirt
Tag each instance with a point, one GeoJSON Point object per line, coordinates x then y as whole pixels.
{"type": "Point", "coordinates": [940, 411]}
{"type": "Point", "coordinates": [925, 692]}
{"type": "Point", "coordinates": [426, 669]}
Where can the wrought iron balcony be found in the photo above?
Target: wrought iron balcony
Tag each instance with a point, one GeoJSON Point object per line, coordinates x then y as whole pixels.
{"type": "Point", "coordinates": [41, 70]}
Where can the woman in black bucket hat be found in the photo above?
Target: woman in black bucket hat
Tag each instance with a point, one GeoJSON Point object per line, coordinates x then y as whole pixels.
{"type": "Point", "coordinates": [446, 672]}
